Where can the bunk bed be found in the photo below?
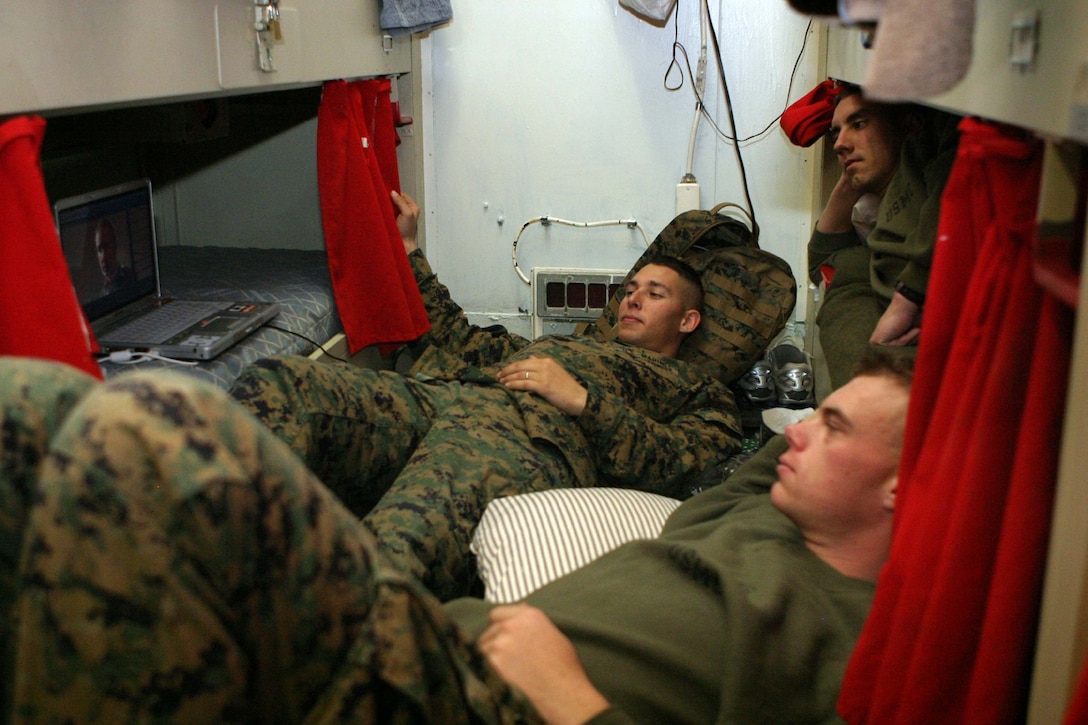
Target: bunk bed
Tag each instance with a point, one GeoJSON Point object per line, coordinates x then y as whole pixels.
{"type": "Point", "coordinates": [180, 93]}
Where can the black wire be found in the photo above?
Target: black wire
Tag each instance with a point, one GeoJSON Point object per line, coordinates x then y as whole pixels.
{"type": "Point", "coordinates": [678, 47]}
{"type": "Point", "coordinates": [706, 114]}
{"type": "Point", "coordinates": [789, 88]}
{"type": "Point", "coordinates": [732, 119]}
{"type": "Point", "coordinates": [312, 342]}
{"type": "Point", "coordinates": [675, 44]}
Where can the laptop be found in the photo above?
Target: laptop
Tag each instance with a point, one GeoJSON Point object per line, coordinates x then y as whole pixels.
{"type": "Point", "coordinates": [108, 238]}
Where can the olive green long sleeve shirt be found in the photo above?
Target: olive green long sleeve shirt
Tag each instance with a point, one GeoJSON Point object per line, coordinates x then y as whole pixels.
{"type": "Point", "coordinates": [902, 242]}
{"type": "Point", "coordinates": [726, 618]}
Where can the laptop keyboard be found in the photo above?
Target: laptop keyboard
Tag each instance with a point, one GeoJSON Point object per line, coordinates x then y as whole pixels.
{"type": "Point", "coordinates": [162, 323]}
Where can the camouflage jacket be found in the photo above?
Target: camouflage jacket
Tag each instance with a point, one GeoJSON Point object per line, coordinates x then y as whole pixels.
{"type": "Point", "coordinates": [650, 421]}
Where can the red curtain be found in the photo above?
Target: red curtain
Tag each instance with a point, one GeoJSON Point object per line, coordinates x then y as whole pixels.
{"type": "Point", "coordinates": [40, 315]}
{"type": "Point", "coordinates": [950, 638]}
{"type": "Point", "coordinates": [376, 294]}
{"type": "Point", "coordinates": [1077, 714]}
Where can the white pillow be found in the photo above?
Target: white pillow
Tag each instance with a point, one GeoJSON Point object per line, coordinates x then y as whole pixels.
{"type": "Point", "coordinates": [525, 541]}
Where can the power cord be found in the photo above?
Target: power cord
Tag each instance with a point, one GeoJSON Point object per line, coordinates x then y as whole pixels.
{"type": "Point", "coordinates": [679, 47]}
{"type": "Point", "coordinates": [734, 138]}
{"type": "Point", "coordinates": [732, 121]}
{"type": "Point", "coordinates": [131, 357]}
{"type": "Point", "coordinates": [548, 220]}
{"type": "Point", "coordinates": [312, 342]}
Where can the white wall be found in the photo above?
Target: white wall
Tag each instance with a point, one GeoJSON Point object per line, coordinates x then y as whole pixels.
{"type": "Point", "coordinates": [559, 108]}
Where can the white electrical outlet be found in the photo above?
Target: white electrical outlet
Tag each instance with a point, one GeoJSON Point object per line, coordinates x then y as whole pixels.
{"type": "Point", "coordinates": [687, 196]}
{"type": "Point", "coordinates": [571, 295]}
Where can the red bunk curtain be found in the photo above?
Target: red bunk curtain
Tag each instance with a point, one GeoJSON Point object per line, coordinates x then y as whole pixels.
{"type": "Point", "coordinates": [1077, 714]}
{"type": "Point", "coordinates": [40, 315]}
{"type": "Point", "coordinates": [376, 294]}
{"type": "Point", "coordinates": [951, 635]}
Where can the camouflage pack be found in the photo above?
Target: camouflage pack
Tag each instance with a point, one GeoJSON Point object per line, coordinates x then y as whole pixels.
{"type": "Point", "coordinates": [750, 293]}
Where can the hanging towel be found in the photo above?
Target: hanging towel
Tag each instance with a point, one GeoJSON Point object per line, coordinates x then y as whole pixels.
{"type": "Point", "coordinates": [376, 294]}
{"type": "Point", "coordinates": [951, 633]}
{"type": "Point", "coordinates": [404, 17]}
{"type": "Point", "coordinates": [860, 12]}
{"type": "Point", "coordinates": [40, 314]}
{"type": "Point", "coordinates": [653, 9]}
{"type": "Point", "coordinates": [922, 48]}
{"type": "Point", "coordinates": [809, 117]}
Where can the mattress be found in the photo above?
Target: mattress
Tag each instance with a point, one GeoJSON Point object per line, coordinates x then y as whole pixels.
{"type": "Point", "coordinates": [297, 279]}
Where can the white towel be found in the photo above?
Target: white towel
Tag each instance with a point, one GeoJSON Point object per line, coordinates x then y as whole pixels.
{"type": "Point", "coordinates": [922, 48]}
{"type": "Point", "coordinates": [855, 12]}
{"type": "Point", "coordinates": [654, 9]}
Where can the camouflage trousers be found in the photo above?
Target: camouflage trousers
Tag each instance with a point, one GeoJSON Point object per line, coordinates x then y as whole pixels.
{"type": "Point", "coordinates": [166, 559]}
{"type": "Point", "coordinates": [419, 460]}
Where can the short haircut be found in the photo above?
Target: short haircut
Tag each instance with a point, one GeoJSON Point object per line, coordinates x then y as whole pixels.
{"type": "Point", "coordinates": [900, 115]}
{"type": "Point", "coordinates": [884, 363]}
{"type": "Point", "coordinates": [847, 89]}
{"type": "Point", "coordinates": [692, 293]}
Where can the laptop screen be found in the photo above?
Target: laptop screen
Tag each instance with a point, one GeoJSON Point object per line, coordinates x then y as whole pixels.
{"type": "Point", "coordinates": [108, 238]}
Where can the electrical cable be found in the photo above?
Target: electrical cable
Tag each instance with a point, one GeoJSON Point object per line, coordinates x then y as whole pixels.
{"type": "Point", "coordinates": [698, 80]}
{"type": "Point", "coordinates": [701, 105]}
{"type": "Point", "coordinates": [793, 76]}
{"type": "Point", "coordinates": [789, 88]}
{"type": "Point", "coordinates": [132, 357]}
{"type": "Point", "coordinates": [546, 220]}
{"type": "Point", "coordinates": [699, 83]}
{"type": "Point", "coordinates": [673, 64]}
{"type": "Point", "coordinates": [312, 342]}
{"type": "Point", "coordinates": [732, 122]}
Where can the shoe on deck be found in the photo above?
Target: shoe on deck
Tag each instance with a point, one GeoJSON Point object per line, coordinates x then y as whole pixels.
{"type": "Point", "coordinates": [793, 378]}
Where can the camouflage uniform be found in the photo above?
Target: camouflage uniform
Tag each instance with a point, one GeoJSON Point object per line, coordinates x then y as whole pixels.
{"type": "Point", "coordinates": [437, 445]}
{"type": "Point", "coordinates": [179, 564]}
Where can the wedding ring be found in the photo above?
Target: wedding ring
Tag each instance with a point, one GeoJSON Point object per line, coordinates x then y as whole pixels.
{"type": "Point", "coordinates": [526, 375]}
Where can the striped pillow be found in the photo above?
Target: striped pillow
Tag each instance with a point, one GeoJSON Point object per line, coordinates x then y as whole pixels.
{"type": "Point", "coordinates": [525, 541]}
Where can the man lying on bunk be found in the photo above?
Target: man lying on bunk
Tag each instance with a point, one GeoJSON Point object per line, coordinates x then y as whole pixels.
{"type": "Point", "coordinates": [484, 415]}
{"type": "Point", "coordinates": [179, 564]}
